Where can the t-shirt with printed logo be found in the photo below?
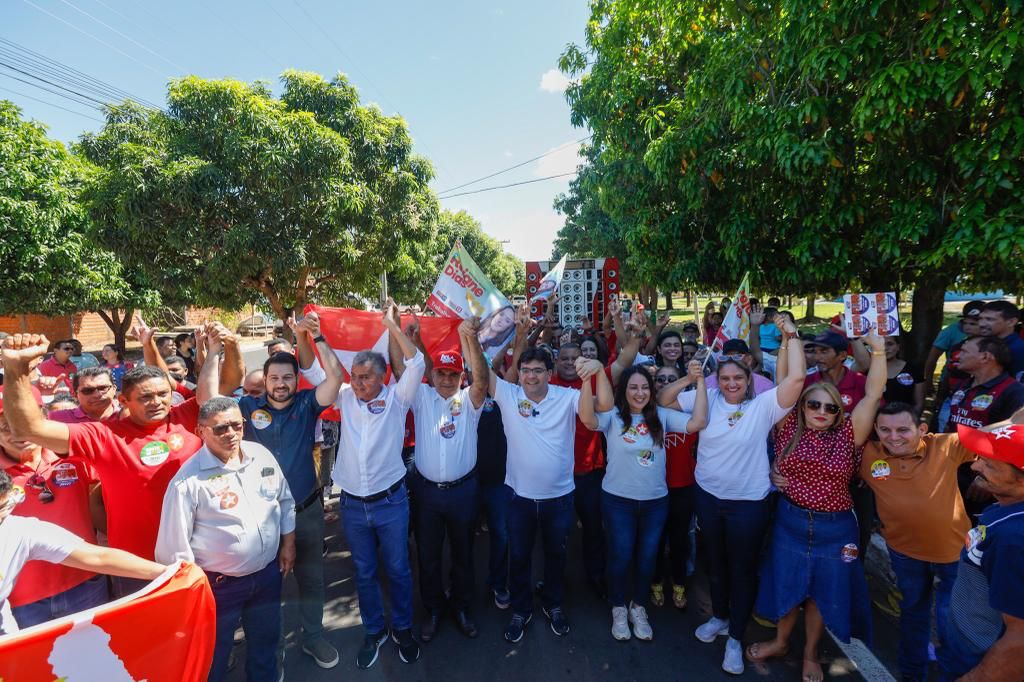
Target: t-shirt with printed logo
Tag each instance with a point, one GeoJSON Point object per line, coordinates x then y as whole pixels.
{"type": "Point", "coordinates": [135, 463]}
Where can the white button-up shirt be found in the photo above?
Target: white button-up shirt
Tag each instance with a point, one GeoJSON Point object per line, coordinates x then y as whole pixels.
{"type": "Point", "coordinates": [224, 519]}
{"type": "Point", "coordinates": [371, 434]}
{"type": "Point", "coordinates": [445, 434]}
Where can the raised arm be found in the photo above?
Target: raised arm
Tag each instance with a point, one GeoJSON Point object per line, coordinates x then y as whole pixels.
{"type": "Point", "coordinates": [756, 320]}
{"type": "Point", "coordinates": [391, 321]}
{"type": "Point", "coordinates": [208, 381]}
{"type": "Point", "coordinates": [150, 355]}
{"type": "Point", "coordinates": [863, 415]}
{"type": "Point", "coordinates": [668, 396]}
{"type": "Point", "coordinates": [524, 326]}
{"type": "Point", "coordinates": [792, 347]}
{"type": "Point", "coordinates": [23, 415]}
{"type": "Point", "coordinates": [586, 413]}
{"type": "Point", "coordinates": [862, 360]}
{"type": "Point", "coordinates": [699, 416]}
{"type": "Point", "coordinates": [303, 342]}
{"type": "Point", "coordinates": [232, 367]}
{"type": "Point", "coordinates": [309, 330]}
{"type": "Point", "coordinates": [477, 361]}
{"type": "Point", "coordinates": [471, 343]}
{"type": "Point", "coordinates": [654, 330]}
{"type": "Point", "coordinates": [629, 349]}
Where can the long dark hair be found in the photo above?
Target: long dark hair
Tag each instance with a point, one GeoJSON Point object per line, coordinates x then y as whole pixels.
{"type": "Point", "coordinates": [660, 361]}
{"type": "Point", "coordinates": [650, 411]}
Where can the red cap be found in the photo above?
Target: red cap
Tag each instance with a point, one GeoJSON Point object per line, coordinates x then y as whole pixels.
{"type": "Point", "coordinates": [1005, 444]}
{"type": "Point", "coordinates": [35, 394]}
{"type": "Point", "coordinates": [448, 359]}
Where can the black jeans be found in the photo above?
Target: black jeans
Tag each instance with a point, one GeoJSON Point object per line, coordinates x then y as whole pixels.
{"type": "Point", "coordinates": [450, 512]}
{"type": "Point", "coordinates": [681, 508]}
{"type": "Point", "coordinates": [553, 518]}
{"type": "Point", "coordinates": [587, 500]}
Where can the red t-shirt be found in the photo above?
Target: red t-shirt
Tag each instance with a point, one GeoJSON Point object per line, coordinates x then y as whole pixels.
{"type": "Point", "coordinates": [135, 463]}
{"type": "Point", "coordinates": [68, 480]}
{"type": "Point", "coordinates": [852, 387]}
{"type": "Point", "coordinates": [51, 368]}
{"type": "Point", "coordinates": [589, 448]}
{"type": "Point", "coordinates": [819, 469]}
{"type": "Point", "coordinates": [679, 459]}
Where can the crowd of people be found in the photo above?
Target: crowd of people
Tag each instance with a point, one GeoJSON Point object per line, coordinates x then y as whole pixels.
{"type": "Point", "coordinates": [775, 457]}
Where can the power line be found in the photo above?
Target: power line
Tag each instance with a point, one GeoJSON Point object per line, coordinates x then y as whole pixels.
{"type": "Point", "coordinates": [51, 104]}
{"type": "Point", "coordinates": [125, 36]}
{"type": "Point", "coordinates": [518, 165]}
{"type": "Point", "coordinates": [514, 184]}
{"type": "Point", "coordinates": [38, 78]}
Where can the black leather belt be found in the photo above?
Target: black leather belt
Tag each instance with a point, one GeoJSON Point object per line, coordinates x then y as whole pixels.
{"type": "Point", "coordinates": [444, 485]}
{"type": "Point", "coordinates": [377, 496]}
{"type": "Point", "coordinates": [308, 502]}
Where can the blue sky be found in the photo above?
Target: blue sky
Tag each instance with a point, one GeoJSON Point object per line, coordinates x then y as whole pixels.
{"type": "Point", "coordinates": [474, 80]}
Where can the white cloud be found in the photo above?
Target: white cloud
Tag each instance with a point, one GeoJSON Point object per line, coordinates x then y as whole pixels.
{"type": "Point", "coordinates": [508, 154]}
{"type": "Point", "coordinates": [559, 160]}
{"type": "Point", "coordinates": [554, 81]}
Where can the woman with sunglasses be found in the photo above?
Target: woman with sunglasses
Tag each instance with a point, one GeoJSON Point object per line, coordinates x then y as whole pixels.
{"type": "Point", "coordinates": [113, 359]}
{"type": "Point", "coordinates": [634, 494]}
{"type": "Point", "coordinates": [732, 484]}
{"type": "Point", "coordinates": [812, 560]}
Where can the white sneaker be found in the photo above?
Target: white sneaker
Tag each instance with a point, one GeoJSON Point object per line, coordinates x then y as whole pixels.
{"type": "Point", "coordinates": [733, 661]}
{"type": "Point", "coordinates": [711, 629]}
{"type": "Point", "coordinates": [620, 627]}
{"type": "Point", "coordinates": [638, 618]}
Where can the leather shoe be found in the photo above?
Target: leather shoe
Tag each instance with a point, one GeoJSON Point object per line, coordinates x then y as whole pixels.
{"type": "Point", "coordinates": [466, 624]}
{"type": "Point", "coordinates": [429, 629]}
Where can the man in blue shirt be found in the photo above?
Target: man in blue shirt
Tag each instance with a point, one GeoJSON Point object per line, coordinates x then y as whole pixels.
{"type": "Point", "coordinates": [985, 631]}
{"type": "Point", "coordinates": [1000, 319]}
{"type": "Point", "coordinates": [283, 420]}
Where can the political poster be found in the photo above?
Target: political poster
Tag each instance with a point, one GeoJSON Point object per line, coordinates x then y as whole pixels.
{"type": "Point", "coordinates": [866, 312]}
{"type": "Point", "coordinates": [549, 285]}
{"type": "Point", "coordinates": [736, 324]}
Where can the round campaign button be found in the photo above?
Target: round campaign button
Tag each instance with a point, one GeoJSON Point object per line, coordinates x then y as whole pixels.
{"type": "Point", "coordinates": [849, 553]}
{"type": "Point", "coordinates": [525, 408]}
{"type": "Point", "coordinates": [375, 406]}
{"type": "Point", "coordinates": [260, 419]}
{"type": "Point", "coordinates": [645, 458]}
{"type": "Point", "coordinates": [880, 469]}
{"type": "Point", "coordinates": [64, 474]}
{"type": "Point", "coordinates": [905, 379]}
{"type": "Point", "coordinates": [154, 453]}
{"type": "Point", "coordinates": [448, 430]}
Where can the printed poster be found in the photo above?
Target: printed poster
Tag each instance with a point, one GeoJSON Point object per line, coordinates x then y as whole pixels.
{"type": "Point", "coordinates": [866, 312]}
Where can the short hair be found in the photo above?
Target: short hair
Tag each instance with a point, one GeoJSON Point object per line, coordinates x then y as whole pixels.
{"type": "Point", "coordinates": [139, 375]}
{"type": "Point", "coordinates": [216, 406]}
{"type": "Point", "coordinates": [1006, 309]}
{"type": "Point", "coordinates": [997, 348]}
{"type": "Point", "coordinates": [371, 357]}
{"type": "Point", "coordinates": [774, 302]}
{"type": "Point", "coordinates": [898, 407]}
{"type": "Point", "coordinates": [536, 355]}
{"type": "Point", "coordinates": [572, 345]}
{"type": "Point", "coordinates": [281, 358]}
{"type": "Point", "coordinates": [182, 337]}
{"type": "Point", "coordinates": [161, 340]}
{"type": "Point", "coordinates": [91, 372]}
{"type": "Point", "coordinates": [276, 341]}
{"type": "Point", "coordinates": [176, 360]}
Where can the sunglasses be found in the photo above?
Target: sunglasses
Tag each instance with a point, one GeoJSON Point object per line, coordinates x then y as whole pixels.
{"type": "Point", "coordinates": [89, 390]}
{"type": "Point", "coordinates": [665, 379]}
{"type": "Point", "coordinates": [815, 405]}
{"type": "Point", "coordinates": [221, 429]}
{"type": "Point", "coordinates": [39, 485]}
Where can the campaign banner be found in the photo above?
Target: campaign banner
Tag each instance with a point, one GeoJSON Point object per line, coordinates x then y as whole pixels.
{"type": "Point", "coordinates": [736, 324]}
{"type": "Point", "coordinates": [463, 290]}
{"type": "Point", "coordinates": [550, 283]}
{"type": "Point", "coordinates": [162, 633]}
{"type": "Point", "coordinates": [866, 312]}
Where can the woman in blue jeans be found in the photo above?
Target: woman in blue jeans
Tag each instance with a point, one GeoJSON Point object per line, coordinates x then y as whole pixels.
{"type": "Point", "coordinates": [634, 498]}
{"type": "Point", "coordinates": [732, 484]}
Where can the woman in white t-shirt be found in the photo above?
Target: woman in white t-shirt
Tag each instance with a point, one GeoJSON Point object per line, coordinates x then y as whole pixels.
{"type": "Point", "coordinates": [634, 498]}
{"type": "Point", "coordinates": [732, 484]}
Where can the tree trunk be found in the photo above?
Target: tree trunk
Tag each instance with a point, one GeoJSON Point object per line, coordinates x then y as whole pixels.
{"type": "Point", "coordinates": [809, 312]}
{"type": "Point", "coordinates": [925, 315]}
{"type": "Point", "coordinates": [668, 300]}
{"type": "Point", "coordinates": [119, 321]}
{"type": "Point", "coordinates": [789, 301]}
{"type": "Point", "coordinates": [689, 299]}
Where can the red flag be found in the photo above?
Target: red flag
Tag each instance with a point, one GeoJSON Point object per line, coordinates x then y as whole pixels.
{"type": "Point", "coordinates": [166, 634]}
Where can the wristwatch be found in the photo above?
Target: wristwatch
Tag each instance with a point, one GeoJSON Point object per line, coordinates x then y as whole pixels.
{"type": "Point", "coordinates": [319, 338]}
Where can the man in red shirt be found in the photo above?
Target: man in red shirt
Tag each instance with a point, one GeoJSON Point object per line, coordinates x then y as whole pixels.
{"type": "Point", "coordinates": [134, 456]}
{"type": "Point", "coordinates": [96, 393]}
{"type": "Point", "coordinates": [56, 371]}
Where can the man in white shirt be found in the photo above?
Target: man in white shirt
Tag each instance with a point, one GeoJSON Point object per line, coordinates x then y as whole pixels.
{"type": "Point", "coordinates": [229, 510]}
{"type": "Point", "coordinates": [374, 502]}
{"type": "Point", "coordinates": [540, 425]}
{"type": "Point", "coordinates": [444, 484]}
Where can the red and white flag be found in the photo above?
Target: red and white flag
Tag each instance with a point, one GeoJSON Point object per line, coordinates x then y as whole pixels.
{"type": "Point", "coordinates": [163, 633]}
{"type": "Point", "coordinates": [736, 324]}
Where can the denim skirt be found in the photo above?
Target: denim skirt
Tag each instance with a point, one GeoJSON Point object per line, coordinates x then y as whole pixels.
{"type": "Point", "coordinates": [814, 555]}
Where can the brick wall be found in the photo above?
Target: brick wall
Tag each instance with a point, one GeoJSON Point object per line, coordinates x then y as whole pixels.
{"type": "Point", "coordinates": [89, 328]}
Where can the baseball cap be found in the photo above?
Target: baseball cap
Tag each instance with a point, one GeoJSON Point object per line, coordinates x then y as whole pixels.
{"type": "Point", "coordinates": [972, 309]}
{"type": "Point", "coordinates": [448, 359]}
{"type": "Point", "coordinates": [735, 346]}
{"type": "Point", "coordinates": [1005, 444]}
{"type": "Point", "coordinates": [830, 339]}
{"type": "Point", "coordinates": [691, 327]}
{"type": "Point", "coordinates": [35, 394]}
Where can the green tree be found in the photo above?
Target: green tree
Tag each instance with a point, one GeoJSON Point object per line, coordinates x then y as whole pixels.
{"type": "Point", "coordinates": [48, 264]}
{"type": "Point", "coordinates": [846, 145]}
{"type": "Point", "coordinates": [234, 196]}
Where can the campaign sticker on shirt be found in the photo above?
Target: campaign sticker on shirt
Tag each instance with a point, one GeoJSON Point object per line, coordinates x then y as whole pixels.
{"type": "Point", "coordinates": [525, 408]}
{"type": "Point", "coordinates": [176, 441]}
{"type": "Point", "coordinates": [154, 453]}
{"type": "Point", "coordinates": [735, 417]}
{"type": "Point", "coordinates": [849, 553]}
{"type": "Point", "coordinates": [488, 405]}
{"type": "Point", "coordinates": [456, 408]}
{"type": "Point", "coordinates": [267, 471]}
{"type": "Point", "coordinates": [880, 470]}
{"type": "Point", "coordinates": [448, 430]}
{"type": "Point", "coordinates": [982, 401]}
{"type": "Point", "coordinates": [260, 419]}
{"type": "Point", "coordinates": [375, 406]}
{"type": "Point", "coordinates": [645, 458]}
{"type": "Point", "coordinates": [18, 495]}
{"type": "Point", "coordinates": [847, 400]}
{"type": "Point", "coordinates": [228, 499]}
{"type": "Point", "coordinates": [641, 428]}
{"type": "Point", "coordinates": [975, 537]}
{"type": "Point", "coordinates": [957, 398]}
{"type": "Point", "coordinates": [905, 379]}
{"type": "Point", "coordinates": [65, 474]}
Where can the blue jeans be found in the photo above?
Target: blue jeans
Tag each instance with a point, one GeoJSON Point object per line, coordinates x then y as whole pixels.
{"type": "Point", "coordinates": [634, 534]}
{"type": "Point", "coordinates": [916, 581]}
{"type": "Point", "coordinates": [255, 599]}
{"type": "Point", "coordinates": [553, 518]}
{"type": "Point", "coordinates": [87, 595]}
{"type": "Point", "coordinates": [384, 522]}
{"type": "Point", "coordinates": [439, 513]}
{"type": "Point", "coordinates": [494, 500]}
{"type": "Point", "coordinates": [587, 500]}
{"type": "Point", "coordinates": [733, 533]}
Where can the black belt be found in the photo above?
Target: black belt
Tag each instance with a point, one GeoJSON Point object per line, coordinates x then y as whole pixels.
{"type": "Point", "coordinates": [444, 485]}
{"type": "Point", "coordinates": [309, 500]}
{"type": "Point", "coordinates": [377, 496]}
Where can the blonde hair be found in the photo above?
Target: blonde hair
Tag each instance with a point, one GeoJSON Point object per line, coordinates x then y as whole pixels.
{"type": "Point", "coordinates": [801, 421]}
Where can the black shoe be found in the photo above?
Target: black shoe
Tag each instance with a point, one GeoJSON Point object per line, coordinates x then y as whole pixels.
{"type": "Point", "coordinates": [516, 626]}
{"type": "Point", "coordinates": [466, 624]}
{"type": "Point", "coordinates": [502, 599]}
{"type": "Point", "coordinates": [429, 629]}
{"type": "Point", "coordinates": [597, 586]}
{"type": "Point", "coordinates": [408, 649]}
{"type": "Point", "coordinates": [559, 623]}
{"type": "Point", "coordinates": [371, 645]}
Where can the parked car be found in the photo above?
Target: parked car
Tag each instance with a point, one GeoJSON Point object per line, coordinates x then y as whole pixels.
{"type": "Point", "coordinates": [257, 325]}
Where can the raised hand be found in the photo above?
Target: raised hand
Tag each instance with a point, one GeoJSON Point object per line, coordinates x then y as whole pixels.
{"type": "Point", "coordinates": [695, 370]}
{"type": "Point", "coordinates": [876, 342]}
{"type": "Point", "coordinates": [637, 324]}
{"type": "Point", "coordinates": [470, 327]}
{"type": "Point", "coordinates": [587, 368]}
{"type": "Point", "coordinates": [389, 315]}
{"type": "Point", "coordinates": [663, 320]}
{"type": "Point", "coordinates": [784, 325]}
{"type": "Point", "coordinates": [756, 315]}
{"type": "Point", "coordinates": [22, 349]}
{"type": "Point", "coordinates": [586, 325]}
{"type": "Point", "coordinates": [311, 325]}
{"type": "Point", "coordinates": [614, 307]}
{"type": "Point", "coordinates": [413, 329]}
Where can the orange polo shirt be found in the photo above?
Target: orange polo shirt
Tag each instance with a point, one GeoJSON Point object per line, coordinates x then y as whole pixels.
{"type": "Point", "coordinates": [917, 497]}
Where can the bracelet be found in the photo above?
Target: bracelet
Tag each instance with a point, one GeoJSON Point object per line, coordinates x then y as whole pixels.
{"type": "Point", "coordinates": [784, 346]}
{"type": "Point", "coordinates": [875, 353]}
{"type": "Point", "coordinates": [319, 338]}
